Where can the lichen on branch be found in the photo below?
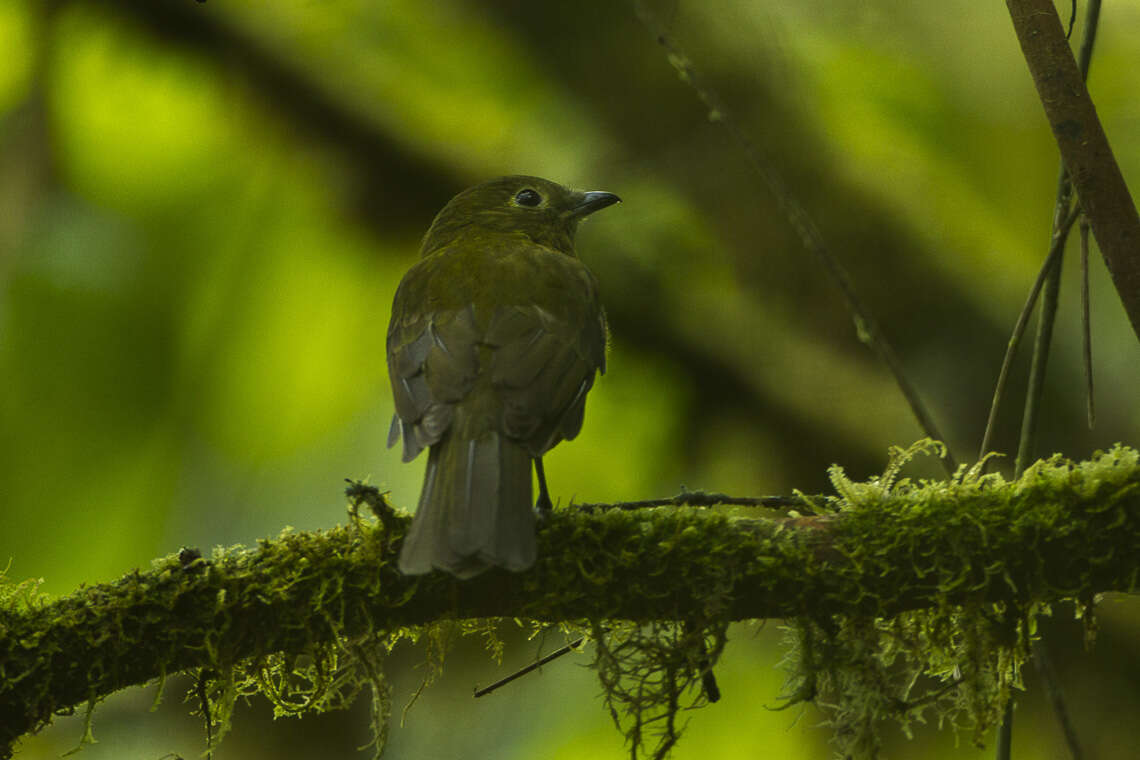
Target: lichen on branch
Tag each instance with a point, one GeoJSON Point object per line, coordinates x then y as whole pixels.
{"type": "Point", "coordinates": [975, 553]}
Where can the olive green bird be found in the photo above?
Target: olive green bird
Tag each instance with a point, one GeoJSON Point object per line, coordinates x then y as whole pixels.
{"type": "Point", "coordinates": [497, 334]}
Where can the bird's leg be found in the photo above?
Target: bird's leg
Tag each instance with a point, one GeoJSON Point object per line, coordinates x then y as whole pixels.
{"type": "Point", "coordinates": [543, 506]}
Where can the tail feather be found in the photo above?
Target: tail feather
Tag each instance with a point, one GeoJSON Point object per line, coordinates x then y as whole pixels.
{"type": "Point", "coordinates": [475, 509]}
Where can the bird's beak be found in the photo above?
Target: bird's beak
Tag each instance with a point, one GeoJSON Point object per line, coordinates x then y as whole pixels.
{"type": "Point", "coordinates": [592, 201]}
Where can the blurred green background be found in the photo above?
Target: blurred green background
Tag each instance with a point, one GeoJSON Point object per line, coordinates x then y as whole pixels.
{"type": "Point", "coordinates": [205, 209]}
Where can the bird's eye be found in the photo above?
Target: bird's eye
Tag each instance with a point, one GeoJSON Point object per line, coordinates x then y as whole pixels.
{"type": "Point", "coordinates": [528, 197]}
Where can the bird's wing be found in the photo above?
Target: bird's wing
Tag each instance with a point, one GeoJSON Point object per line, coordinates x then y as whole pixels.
{"type": "Point", "coordinates": [543, 347]}
{"type": "Point", "coordinates": [432, 363]}
{"type": "Point", "coordinates": [542, 365]}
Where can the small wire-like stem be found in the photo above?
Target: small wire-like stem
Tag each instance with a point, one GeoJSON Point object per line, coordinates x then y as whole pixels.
{"type": "Point", "coordinates": [531, 667]}
{"type": "Point", "coordinates": [810, 237]}
{"type": "Point", "coordinates": [1040, 651]}
{"type": "Point", "coordinates": [1084, 55]}
{"type": "Point", "coordinates": [931, 696]}
{"type": "Point", "coordinates": [1055, 248]}
{"type": "Point", "coordinates": [802, 504]}
{"type": "Point", "coordinates": [1048, 673]}
{"type": "Point", "coordinates": [1033, 403]}
{"type": "Point", "coordinates": [1043, 342]}
{"type": "Point", "coordinates": [709, 686]}
{"type": "Point", "coordinates": [1005, 733]}
{"type": "Point", "coordinates": [1086, 328]}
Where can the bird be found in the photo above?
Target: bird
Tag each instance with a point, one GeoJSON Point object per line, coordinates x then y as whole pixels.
{"type": "Point", "coordinates": [496, 336]}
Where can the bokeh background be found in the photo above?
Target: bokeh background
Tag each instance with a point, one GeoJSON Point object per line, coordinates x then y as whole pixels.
{"type": "Point", "coordinates": [205, 209]}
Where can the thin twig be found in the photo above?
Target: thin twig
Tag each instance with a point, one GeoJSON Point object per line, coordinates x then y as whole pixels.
{"type": "Point", "coordinates": [1036, 389]}
{"type": "Point", "coordinates": [1086, 327]}
{"type": "Point", "coordinates": [810, 237]}
{"type": "Point", "coordinates": [1084, 55]}
{"type": "Point", "coordinates": [1084, 62]}
{"type": "Point", "coordinates": [204, 702]}
{"type": "Point", "coordinates": [802, 504]}
{"type": "Point", "coordinates": [1044, 664]}
{"type": "Point", "coordinates": [1050, 292]}
{"type": "Point", "coordinates": [1005, 733]}
{"type": "Point", "coordinates": [709, 686]}
{"type": "Point", "coordinates": [1055, 248]}
{"type": "Point", "coordinates": [931, 696]}
{"type": "Point", "coordinates": [531, 667]}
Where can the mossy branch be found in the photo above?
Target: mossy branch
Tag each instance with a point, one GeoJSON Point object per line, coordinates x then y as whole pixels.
{"type": "Point", "coordinates": [1063, 530]}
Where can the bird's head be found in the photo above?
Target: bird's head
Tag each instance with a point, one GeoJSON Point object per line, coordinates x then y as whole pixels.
{"type": "Point", "coordinates": [543, 211]}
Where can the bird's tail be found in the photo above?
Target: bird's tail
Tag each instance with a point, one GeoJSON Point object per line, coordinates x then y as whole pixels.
{"type": "Point", "coordinates": [475, 509]}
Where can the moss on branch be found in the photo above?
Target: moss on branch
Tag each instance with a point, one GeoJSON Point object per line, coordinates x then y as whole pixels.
{"type": "Point", "coordinates": [1065, 530]}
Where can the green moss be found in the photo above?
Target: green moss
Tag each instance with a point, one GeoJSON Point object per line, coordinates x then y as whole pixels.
{"type": "Point", "coordinates": [954, 662]}
{"type": "Point", "coordinates": [906, 601]}
{"type": "Point", "coordinates": [650, 673]}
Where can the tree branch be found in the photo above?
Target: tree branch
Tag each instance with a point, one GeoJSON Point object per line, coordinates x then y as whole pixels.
{"type": "Point", "coordinates": [1084, 147]}
{"type": "Point", "coordinates": [1063, 530]}
{"type": "Point", "coordinates": [302, 100]}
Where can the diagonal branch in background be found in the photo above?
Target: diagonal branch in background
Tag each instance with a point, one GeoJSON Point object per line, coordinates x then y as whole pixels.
{"type": "Point", "coordinates": [1084, 147]}
{"type": "Point", "coordinates": [1065, 530]}
{"type": "Point", "coordinates": [394, 183]}
{"type": "Point", "coordinates": [797, 216]}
